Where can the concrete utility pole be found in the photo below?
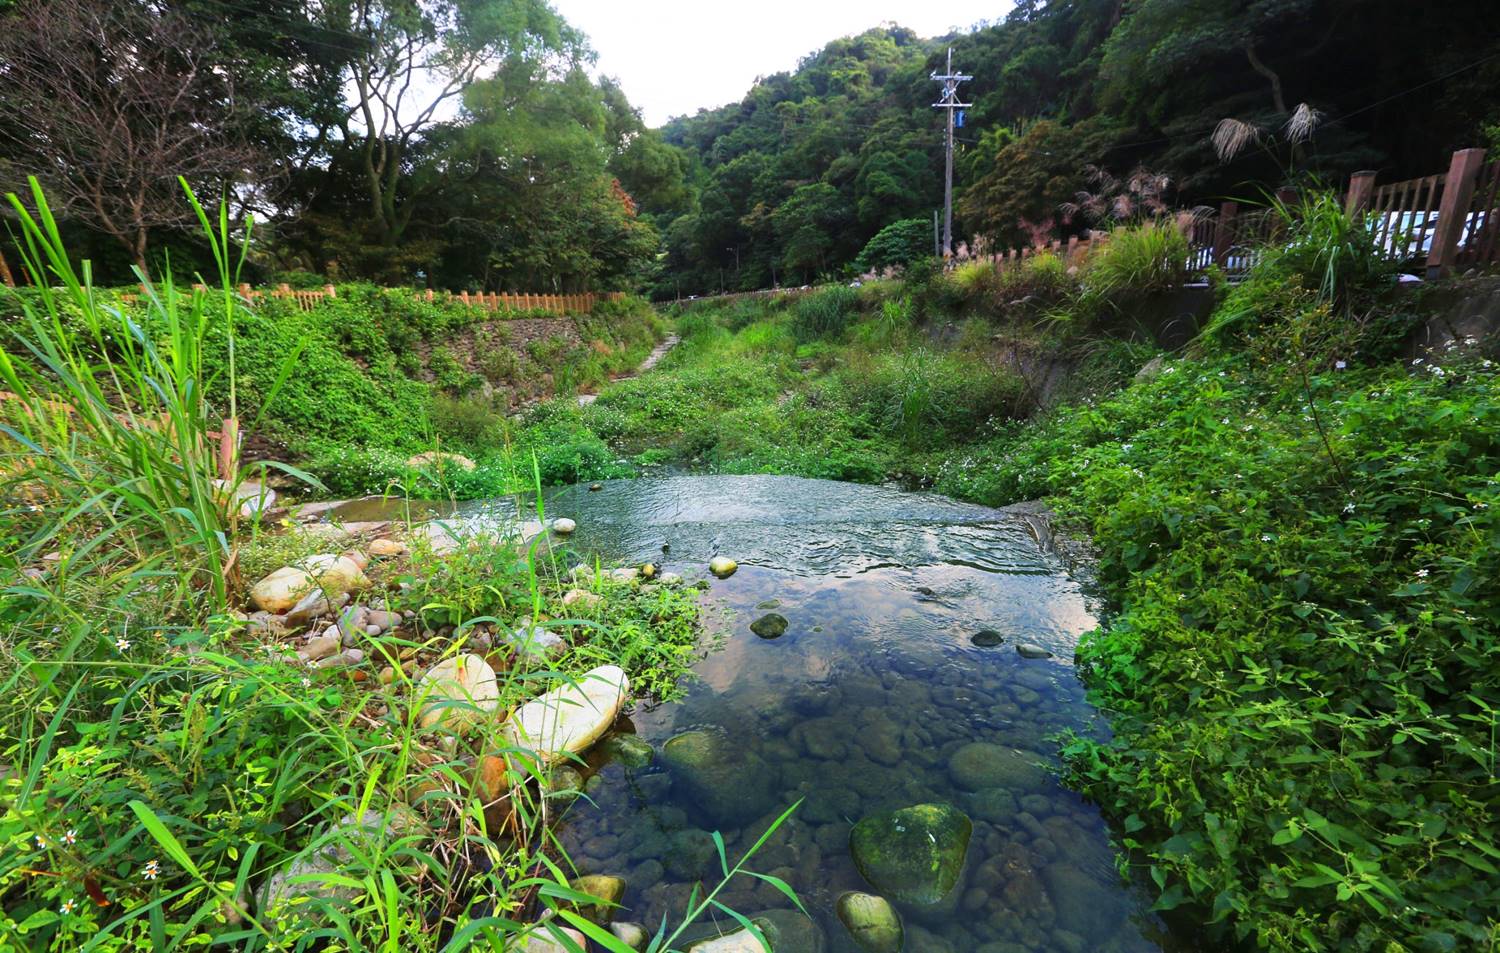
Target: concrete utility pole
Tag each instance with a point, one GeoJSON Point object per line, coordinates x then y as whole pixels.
{"type": "Point", "coordinates": [949, 101]}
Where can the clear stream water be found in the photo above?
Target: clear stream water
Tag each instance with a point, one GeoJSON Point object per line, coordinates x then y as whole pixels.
{"type": "Point", "coordinates": [857, 709]}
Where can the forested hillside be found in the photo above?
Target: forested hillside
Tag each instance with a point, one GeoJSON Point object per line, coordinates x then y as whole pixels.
{"type": "Point", "coordinates": [793, 181]}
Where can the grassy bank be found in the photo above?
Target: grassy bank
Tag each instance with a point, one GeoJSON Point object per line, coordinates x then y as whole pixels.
{"type": "Point", "coordinates": [178, 773]}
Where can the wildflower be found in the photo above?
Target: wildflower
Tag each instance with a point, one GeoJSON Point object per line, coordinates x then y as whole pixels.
{"type": "Point", "coordinates": [306, 682]}
{"type": "Point", "coordinates": [68, 906]}
{"type": "Point", "coordinates": [1421, 574]}
{"type": "Point", "coordinates": [41, 842]}
{"type": "Point", "coordinates": [1481, 506]}
{"type": "Point", "coordinates": [1265, 537]}
{"type": "Point", "coordinates": [70, 838]}
{"type": "Point", "coordinates": [1348, 507]}
{"type": "Point", "coordinates": [122, 643]}
{"type": "Point", "coordinates": [151, 870]}
{"type": "Point", "coordinates": [1125, 447]}
{"type": "Point", "coordinates": [1416, 361]}
{"type": "Point", "coordinates": [1340, 365]}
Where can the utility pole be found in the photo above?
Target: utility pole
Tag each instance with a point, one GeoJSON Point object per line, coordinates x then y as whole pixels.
{"type": "Point", "coordinates": [949, 101]}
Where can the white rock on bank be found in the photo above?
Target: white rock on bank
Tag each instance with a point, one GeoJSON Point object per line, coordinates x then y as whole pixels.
{"type": "Point", "coordinates": [458, 693]}
{"type": "Point", "coordinates": [563, 526]}
{"type": "Point", "coordinates": [284, 589]}
{"type": "Point", "coordinates": [569, 719]}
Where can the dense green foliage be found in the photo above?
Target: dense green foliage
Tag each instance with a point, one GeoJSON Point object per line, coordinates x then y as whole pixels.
{"type": "Point", "coordinates": [793, 181]}
{"type": "Point", "coordinates": [1298, 534]}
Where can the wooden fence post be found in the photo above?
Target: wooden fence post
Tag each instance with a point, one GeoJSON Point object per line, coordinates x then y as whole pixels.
{"type": "Point", "coordinates": [1453, 213]}
{"type": "Point", "coordinates": [1224, 232]}
{"type": "Point", "coordinates": [1361, 188]}
{"type": "Point", "coordinates": [330, 291]}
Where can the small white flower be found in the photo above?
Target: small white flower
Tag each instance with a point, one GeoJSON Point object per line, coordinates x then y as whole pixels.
{"type": "Point", "coordinates": [1265, 537]}
{"type": "Point", "coordinates": [1348, 507]}
{"type": "Point", "coordinates": [68, 906]}
{"type": "Point", "coordinates": [1421, 574]}
{"type": "Point", "coordinates": [122, 643]}
{"type": "Point", "coordinates": [1339, 365]}
{"type": "Point", "coordinates": [70, 838]}
{"type": "Point", "coordinates": [1481, 506]}
{"type": "Point", "coordinates": [306, 682]}
{"type": "Point", "coordinates": [41, 841]}
{"type": "Point", "coordinates": [151, 870]}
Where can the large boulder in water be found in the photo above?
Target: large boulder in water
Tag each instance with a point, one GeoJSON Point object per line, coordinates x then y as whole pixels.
{"type": "Point", "coordinates": [915, 854]}
{"type": "Point", "coordinates": [729, 785]}
{"type": "Point", "coordinates": [871, 921]}
{"type": "Point", "coordinates": [979, 765]}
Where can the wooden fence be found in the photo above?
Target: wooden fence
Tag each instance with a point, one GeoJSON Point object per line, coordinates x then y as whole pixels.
{"type": "Point", "coordinates": [307, 299]}
{"type": "Point", "coordinates": [1434, 223]}
{"type": "Point", "coordinates": [493, 301]}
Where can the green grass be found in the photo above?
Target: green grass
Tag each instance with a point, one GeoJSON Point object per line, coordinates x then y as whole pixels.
{"type": "Point", "coordinates": [161, 760]}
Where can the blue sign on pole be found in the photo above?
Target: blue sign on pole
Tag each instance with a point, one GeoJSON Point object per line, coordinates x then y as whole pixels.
{"type": "Point", "coordinates": [960, 119]}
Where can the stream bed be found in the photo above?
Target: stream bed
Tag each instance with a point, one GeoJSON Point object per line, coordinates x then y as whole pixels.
{"type": "Point", "coordinates": [875, 698]}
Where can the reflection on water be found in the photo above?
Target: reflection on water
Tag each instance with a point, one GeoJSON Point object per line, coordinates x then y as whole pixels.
{"type": "Point", "coordinates": [858, 708]}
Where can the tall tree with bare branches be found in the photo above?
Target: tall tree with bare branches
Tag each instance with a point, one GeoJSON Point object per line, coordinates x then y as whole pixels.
{"type": "Point", "coordinates": [108, 103]}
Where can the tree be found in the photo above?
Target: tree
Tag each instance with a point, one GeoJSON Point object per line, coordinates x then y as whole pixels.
{"type": "Point", "coordinates": [118, 100]}
{"type": "Point", "coordinates": [418, 59]}
{"type": "Point", "coordinates": [897, 245]}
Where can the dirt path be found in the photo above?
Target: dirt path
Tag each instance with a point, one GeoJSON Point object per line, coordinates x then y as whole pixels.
{"type": "Point", "coordinates": [651, 361]}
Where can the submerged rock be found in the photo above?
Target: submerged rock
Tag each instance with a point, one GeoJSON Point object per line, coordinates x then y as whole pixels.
{"type": "Point", "coordinates": [608, 889]}
{"type": "Point", "coordinates": [458, 693]}
{"type": "Point", "coordinates": [728, 784]}
{"type": "Point", "coordinates": [980, 765]}
{"type": "Point", "coordinates": [722, 566]}
{"type": "Point", "coordinates": [986, 638]}
{"type": "Point", "coordinates": [569, 719]}
{"type": "Point", "coordinates": [632, 751]}
{"type": "Point", "coordinates": [1031, 650]}
{"type": "Point", "coordinates": [871, 921]}
{"type": "Point", "coordinates": [741, 940]}
{"type": "Point", "coordinates": [772, 625]}
{"type": "Point", "coordinates": [632, 935]}
{"type": "Point", "coordinates": [915, 854]}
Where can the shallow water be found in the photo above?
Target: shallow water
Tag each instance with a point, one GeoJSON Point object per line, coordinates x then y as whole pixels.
{"type": "Point", "coordinates": [857, 709]}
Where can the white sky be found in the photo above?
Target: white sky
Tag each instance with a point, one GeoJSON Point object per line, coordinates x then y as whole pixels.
{"type": "Point", "coordinates": [673, 57]}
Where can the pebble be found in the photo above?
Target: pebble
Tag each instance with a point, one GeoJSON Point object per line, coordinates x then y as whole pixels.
{"type": "Point", "coordinates": [1031, 650]}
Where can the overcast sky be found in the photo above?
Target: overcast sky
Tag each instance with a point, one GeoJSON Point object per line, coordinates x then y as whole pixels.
{"type": "Point", "coordinates": [674, 57]}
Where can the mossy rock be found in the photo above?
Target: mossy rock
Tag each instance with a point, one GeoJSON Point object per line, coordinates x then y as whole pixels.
{"type": "Point", "coordinates": [915, 854]}
{"type": "Point", "coordinates": [772, 625]}
{"type": "Point", "coordinates": [608, 889]}
{"type": "Point", "coordinates": [631, 751]}
{"type": "Point", "coordinates": [871, 921]}
{"type": "Point", "coordinates": [729, 786]}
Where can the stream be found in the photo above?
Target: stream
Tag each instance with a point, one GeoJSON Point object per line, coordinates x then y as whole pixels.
{"type": "Point", "coordinates": [862, 706]}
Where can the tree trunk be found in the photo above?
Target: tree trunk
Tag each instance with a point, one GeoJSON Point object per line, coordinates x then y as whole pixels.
{"type": "Point", "coordinates": [5, 275]}
{"type": "Point", "coordinates": [1271, 75]}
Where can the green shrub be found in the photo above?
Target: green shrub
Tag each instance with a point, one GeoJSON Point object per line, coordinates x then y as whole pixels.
{"type": "Point", "coordinates": [824, 314]}
{"type": "Point", "coordinates": [467, 420]}
{"type": "Point", "coordinates": [926, 398]}
{"type": "Point", "coordinates": [1301, 668]}
{"type": "Point", "coordinates": [1136, 260]}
